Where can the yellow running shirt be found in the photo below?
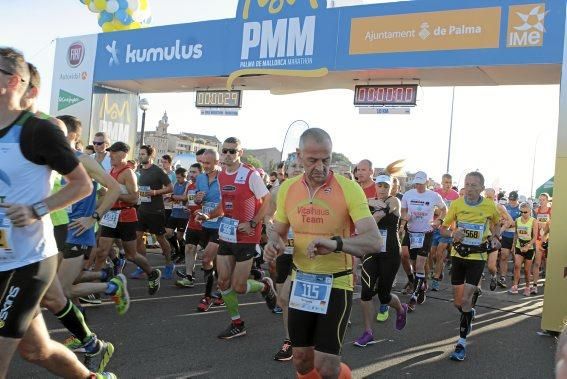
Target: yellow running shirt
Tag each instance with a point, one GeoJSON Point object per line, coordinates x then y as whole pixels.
{"type": "Point", "coordinates": [524, 231]}
{"type": "Point", "coordinates": [331, 211]}
{"type": "Point", "coordinates": [475, 220]}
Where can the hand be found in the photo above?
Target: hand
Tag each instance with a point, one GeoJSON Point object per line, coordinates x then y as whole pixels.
{"type": "Point", "coordinates": [201, 217]}
{"type": "Point", "coordinates": [273, 249]}
{"type": "Point", "coordinates": [199, 196]}
{"type": "Point", "coordinates": [321, 246]}
{"type": "Point", "coordinates": [496, 245]}
{"type": "Point", "coordinates": [82, 225]}
{"type": "Point", "coordinates": [458, 235]}
{"type": "Point", "coordinates": [20, 215]}
{"type": "Point", "coordinates": [244, 227]}
{"type": "Point", "coordinates": [144, 194]}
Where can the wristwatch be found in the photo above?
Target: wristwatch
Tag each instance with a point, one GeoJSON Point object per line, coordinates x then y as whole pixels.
{"type": "Point", "coordinates": [339, 240]}
{"type": "Point", "coordinates": [96, 216]}
{"type": "Point", "coordinates": [40, 209]}
{"type": "Point", "coordinates": [253, 223]}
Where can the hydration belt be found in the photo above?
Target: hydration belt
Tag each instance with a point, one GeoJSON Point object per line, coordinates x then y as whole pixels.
{"type": "Point", "coordinates": [465, 250]}
{"type": "Point", "coordinates": [335, 275]}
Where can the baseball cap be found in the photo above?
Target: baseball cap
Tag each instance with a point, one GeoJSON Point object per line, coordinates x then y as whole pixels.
{"type": "Point", "coordinates": [384, 179]}
{"type": "Point", "coordinates": [513, 195]}
{"type": "Point", "coordinates": [119, 146]}
{"type": "Point", "coordinates": [420, 178]}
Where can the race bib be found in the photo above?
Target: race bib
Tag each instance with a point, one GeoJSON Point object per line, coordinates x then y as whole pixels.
{"type": "Point", "coordinates": [543, 218]}
{"type": "Point", "coordinates": [384, 234]}
{"type": "Point", "coordinates": [146, 190]}
{"type": "Point", "coordinates": [473, 233]}
{"type": "Point", "coordinates": [416, 240]}
{"type": "Point", "coordinates": [191, 198]}
{"type": "Point", "coordinates": [523, 233]}
{"type": "Point", "coordinates": [167, 202]}
{"type": "Point", "coordinates": [208, 208]}
{"type": "Point", "coordinates": [311, 292]}
{"type": "Point", "coordinates": [290, 242]}
{"type": "Point", "coordinates": [110, 219]}
{"type": "Point", "coordinates": [178, 205]}
{"type": "Point", "coordinates": [227, 229]}
{"type": "Point", "coordinates": [5, 235]}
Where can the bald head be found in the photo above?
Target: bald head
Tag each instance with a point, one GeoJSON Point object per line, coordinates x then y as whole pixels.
{"type": "Point", "coordinates": [317, 135]}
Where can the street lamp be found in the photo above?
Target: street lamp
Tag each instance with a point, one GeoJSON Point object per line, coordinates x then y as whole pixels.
{"type": "Point", "coordinates": [287, 131]}
{"type": "Point", "coordinates": [450, 131]}
{"type": "Point", "coordinates": [144, 105]}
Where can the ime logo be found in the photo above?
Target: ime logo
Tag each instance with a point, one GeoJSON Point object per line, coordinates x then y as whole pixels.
{"type": "Point", "coordinates": [526, 25]}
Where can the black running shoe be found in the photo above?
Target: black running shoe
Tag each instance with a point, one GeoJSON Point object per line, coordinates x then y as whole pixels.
{"type": "Point", "coordinates": [233, 331]}
{"type": "Point", "coordinates": [154, 281]}
{"type": "Point", "coordinates": [285, 353]}
{"type": "Point", "coordinates": [270, 295]}
{"type": "Point", "coordinates": [493, 283]}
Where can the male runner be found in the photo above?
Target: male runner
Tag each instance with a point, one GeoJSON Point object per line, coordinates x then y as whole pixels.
{"type": "Point", "coordinates": [477, 225]}
{"type": "Point", "coordinates": [101, 142]}
{"type": "Point", "coordinates": [153, 184]}
{"type": "Point", "coordinates": [29, 149]}
{"type": "Point", "coordinates": [316, 206]}
{"type": "Point", "coordinates": [513, 208]}
{"type": "Point", "coordinates": [244, 203]}
{"type": "Point", "coordinates": [166, 165]}
{"type": "Point", "coordinates": [505, 222]}
{"type": "Point", "coordinates": [418, 207]}
{"type": "Point", "coordinates": [440, 244]}
{"type": "Point", "coordinates": [177, 220]}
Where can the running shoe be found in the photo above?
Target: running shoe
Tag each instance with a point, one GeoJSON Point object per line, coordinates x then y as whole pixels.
{"type": "Point", "coordinates": [269, 294]}
{"type": "Point", "coordinates": [367, 338]}
{"type": "Point", "coordinates": [401, 318]}
{"type": "Point", "coordinates": [513, 290]}
{"type": "Point", "coordinates": [119, 267]}
{"type": "Point", "coordinates": [218, 302]}
{"type": "Point", "coordinates": [277, 310]}
{"type": "Point", "coordinates": [96, 362]}
{"type": "Point", "coordinates": [493, 283]}
{"type": "Point", "coordinates": [285, 353]}
{"type": "Point", "coordinates": [154, 281]}
{"type": "Point", "coordinates": [105, 375]}
{"type": "Point", "coordinates": [502, 282]}
{"type": "Point", "coordinates": [421, 294]}
{"type": "Point", "coordinates": [217, 294]}
{"type": "Point", "coordinates": [383, 313]}
{"type": "Point", "coordinates": [459, 353]}
{"type": "Point", "coordinates": [74, 344]}
{"type": "Point", "coordinates": [411, 304]}
{"type": "Point", "coordinates": [185, 283]}
{"type": "Point", "coordinates": [91, 299]}
{"type": "Point", "coordinates": [168, 271]}
{"type": "Point", "coordinates": [435, 285]}
{"type": "Point", "coordinates": [232, 331]}
{"type": "Point", "coordinates": [121, 298]}
{"type": "Point", "coordinates": [205, 304]}
{"type": "Point", "coordinates": [527, 291]}
{"type": "Point", "coordinates": [533, 291]}
{"type": "Point", "coordinates": [408, 288]}
{"type": "Point", "coordinates": [108, 274]}
{"type": "Point", "coordinates": [180, 272]}
{"type": "Point", "coordinates": [138, 274]}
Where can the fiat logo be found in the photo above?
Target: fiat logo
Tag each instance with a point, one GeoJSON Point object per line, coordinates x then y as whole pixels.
{"type": "Point", "coordinates": [75, 54]}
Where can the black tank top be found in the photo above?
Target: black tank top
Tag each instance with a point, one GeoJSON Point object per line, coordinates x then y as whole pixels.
{"type": "Point", "coordinates": [390, 223]}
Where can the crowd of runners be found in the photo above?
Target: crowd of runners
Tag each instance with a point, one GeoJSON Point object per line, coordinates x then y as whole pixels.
{"type": "Point", "coordinates": [72, 219]}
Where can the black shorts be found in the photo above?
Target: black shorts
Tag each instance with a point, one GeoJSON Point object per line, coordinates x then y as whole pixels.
{"type": "Point", "coordinates": [241, 251]}
{"type": "Point", "coordinates": [21, 290]}
{"type": "Point", "coordinates": [212, 235]}
{"type": "Point", "coordinates": [284, 264]}
{"type": "Point", "coordinates": [466, 271]}
{"type": "Point", "coordinates": [196, 237]}
{"type": "Point", "coordinates": [529, 255]}
{"type": "Point", "coordinates": [125, 231]}
{"type": "Point", "coordinates": [507, 242]}
{"type": "Point", "coordinates": [152, 222]}
{"type": "Point", "coordinates": [325, 332]}
{"type": "Point", "coordinates": [179, 224]}
{"type": "Point", "coordinates": [60, 233]}
{"type": "Point", "coordinates": [167, 213]}
{"type": "Point", "coordinates": [73, 250]}
{"type": "Point", "coordinates": [422, 251]}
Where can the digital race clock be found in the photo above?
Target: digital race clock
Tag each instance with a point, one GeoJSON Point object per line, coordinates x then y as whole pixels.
{"type": "Point", "coordinates": [384, 95]}
{"type": "Point", "coordinates": [218, 99]}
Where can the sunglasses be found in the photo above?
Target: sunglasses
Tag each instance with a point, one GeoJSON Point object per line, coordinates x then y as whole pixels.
{"type": "Point", "coordinates": [98, 143]}
{"type": "Point", "coordinates": [229, 151]}
{"type": "Point", "coordinates": [11, 74]}
{"type": "Point", "coordinates": [524, 212]}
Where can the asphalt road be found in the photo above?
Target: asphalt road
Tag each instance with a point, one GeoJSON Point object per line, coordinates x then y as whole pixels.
{"type": "Point", "coordinates": [163, 336]}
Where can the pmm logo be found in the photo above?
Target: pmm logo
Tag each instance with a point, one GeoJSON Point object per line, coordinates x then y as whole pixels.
{"type": "Point", "coordinates": [114, 111]}
{"type": "Point", "coordinates": [75, 54]}
{"type": "Point", "coordinates": [526, 25]}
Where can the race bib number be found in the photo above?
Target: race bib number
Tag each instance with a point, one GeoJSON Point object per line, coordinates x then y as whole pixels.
{"type": "Point", "coordinates": [416, 240]}
{"type": "Point", "coordinates": [523, 233]}
{"type": "Point", "coordinates": [311, 292]}
{"type": "Point", "coordinates": [290, 242]}
{"type": "Point", "coordinates": [191, 198]}
{"type": "Point", "coordinates": [145, 194]}
{"type": "Point", "coordinates": [473, 233]}
{"type": "Point", "coordinates": [208, 208]}
{"type": "Point", "coordinates": [227, 229]}
{"type": "Point", "coordinates": [384, 234]}
{"type": "Point", "coordinates": [178, 205]}
{"type": "Point", "coordinates": [543, 218]}
{"type": "Point", "coordinates": [110, 219]}
{"type": "Point", "coordinates": [5, 235]}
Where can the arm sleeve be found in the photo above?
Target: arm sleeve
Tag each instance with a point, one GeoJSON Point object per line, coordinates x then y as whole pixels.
{"type": "Point", "coordinates": [44, 143]}
{"type": "Point", "coordinates": [257, 186]}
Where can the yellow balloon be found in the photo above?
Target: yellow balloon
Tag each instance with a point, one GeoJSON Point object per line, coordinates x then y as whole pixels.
{"type": "Point", "coordinates": [116, 24]}
{"type": "Point", "coordinates": [135, 25]}
{"type": "Point", "coordinates": [87, 3]}
{"type": "Point", "coordinates": [143, 5]}
{"type": "Point", "coordinates": [107, 27]}
{"type": "Point", "coordinates": [100, 4]}
{"type": "Point", "coordinates": [129, 11]}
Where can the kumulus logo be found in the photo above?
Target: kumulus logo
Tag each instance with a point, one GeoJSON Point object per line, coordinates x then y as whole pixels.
{"type": "Point", "coordinates": [176, 51]}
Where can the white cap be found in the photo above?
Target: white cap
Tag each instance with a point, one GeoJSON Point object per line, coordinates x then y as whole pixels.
{"type": "Point", "coordinates": [384, 179]}
{"type": "Point", "coordinates": [420, 178]}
